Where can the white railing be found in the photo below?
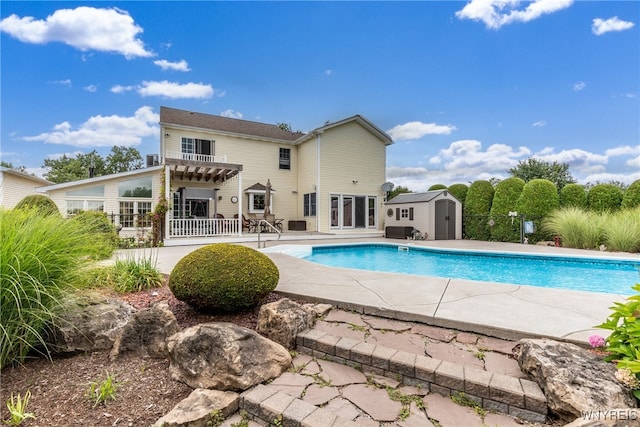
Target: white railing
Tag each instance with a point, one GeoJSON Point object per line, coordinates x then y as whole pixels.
{"type": "Point", "coordinates": [203, 227]}
{"type": "Point", "coordinates": [194, 157]}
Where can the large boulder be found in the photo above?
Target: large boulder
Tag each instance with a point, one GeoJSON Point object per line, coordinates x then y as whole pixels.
{"type": "Point", "coordinates": [90, 323]}
{"type": "Point", "coordinates": [282, 320]}
{"type": "Point", "coordinates": [573, 379]}
{"type": "Point", "coordinates": [224, 356]}
{"type": "Point", "coordinates": [147, 332]}
{"type": "Point", "coordinates": [202, 408]}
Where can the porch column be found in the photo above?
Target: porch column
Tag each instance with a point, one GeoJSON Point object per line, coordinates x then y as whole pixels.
{"type": "Point", "coordinates": [240, 203]}
{"type": "Point", "coordinates": [167, 194]}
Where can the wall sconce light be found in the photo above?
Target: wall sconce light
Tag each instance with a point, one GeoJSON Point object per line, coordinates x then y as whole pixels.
{"type": "Point", "coordinates": [167, 135]}
{"type": "Point", "coordinates": [355, 181]}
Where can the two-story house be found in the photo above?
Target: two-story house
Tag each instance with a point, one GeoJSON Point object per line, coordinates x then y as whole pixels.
{"type": "Point", "coordinates": [214, 170]}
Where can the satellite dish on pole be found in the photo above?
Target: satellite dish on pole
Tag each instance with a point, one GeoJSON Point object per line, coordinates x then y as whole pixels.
{"type": "Point", "coordinates": [387, 186]}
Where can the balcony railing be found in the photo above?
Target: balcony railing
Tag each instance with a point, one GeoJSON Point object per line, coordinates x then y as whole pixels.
{"type": "Point", "coordinates": [194, 157]}
{"type": "Point", "coordinates": [203, 227]}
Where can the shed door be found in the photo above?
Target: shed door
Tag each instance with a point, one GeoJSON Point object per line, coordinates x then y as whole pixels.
{"type": "Point", "coordinates": [445, 219]}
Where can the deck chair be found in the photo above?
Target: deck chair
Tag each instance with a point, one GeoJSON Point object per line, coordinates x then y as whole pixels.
{"type": "Point", "coordinates": [271, 219]}
{"type": "Point", "coordinates": [245, 222]}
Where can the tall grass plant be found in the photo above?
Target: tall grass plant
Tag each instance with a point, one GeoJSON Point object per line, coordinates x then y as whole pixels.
{"type": "Point", "coordinates": [622, 231]}
{"type": "Point", "coordinates": [41, 258]}
{"type": "Point", "coordinates": [576, 227]}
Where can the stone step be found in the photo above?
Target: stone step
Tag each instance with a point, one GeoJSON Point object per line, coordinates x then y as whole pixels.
{"type": "Point", "coordinates": [518, 397]}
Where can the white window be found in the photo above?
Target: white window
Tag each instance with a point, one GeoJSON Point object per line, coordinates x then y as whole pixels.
{"type": "Point", "coordinates": [74, 207]}
{"type": "Point", "coordinates": [285, 158]}
{"type": "Point", "coordinates": [310, 204]}
{"type": "Point", "coordinates": [135, 214]}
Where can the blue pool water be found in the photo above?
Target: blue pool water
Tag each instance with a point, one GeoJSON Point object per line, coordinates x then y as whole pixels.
{"type": "Point", "coordinates": [584, 274]}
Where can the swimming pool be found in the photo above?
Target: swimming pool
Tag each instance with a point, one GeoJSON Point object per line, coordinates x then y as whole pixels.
{"type": "Point", "coordinates": [549, 271]}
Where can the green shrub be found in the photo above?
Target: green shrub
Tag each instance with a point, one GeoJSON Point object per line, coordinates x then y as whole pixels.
{"type": "Point", "coordinates": [538, 199]}
{"type": "Point", "coordinates": [102, 229]}
{"type": "Point", "coordinates": [631, 197]}
{"type": "Point", "coordinates": [505, 228]}
{"type": "Point", "coordinates": [459, 191]}
{"type": "Point", "coordinates": [40, 202]}
{"type": "Point", "coordinates": [577, 228]}
{"type": "Point", "coordinates": [223, 276]}
{"type": "Point", "coordinates": [41, 259]}
{"type": "Point", "coordinates": [604, 197]}
{"type": "Point", "coordinates": [477, 207]}
{"type": "Point", "coordinates": [622, 231]}
{"type": "Point", "coordinates": [437, 187]}
{"type": "Point", "coordinates": [132, 273]}
{"type": "Point", "coordinates": [573, 195]}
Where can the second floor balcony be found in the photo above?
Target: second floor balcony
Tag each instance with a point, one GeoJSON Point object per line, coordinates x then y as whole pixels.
{"type": "Point", "coordinates": [196, 157]}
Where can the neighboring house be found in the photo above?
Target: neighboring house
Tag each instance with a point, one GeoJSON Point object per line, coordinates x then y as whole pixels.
{"type": "Point", "coordinates": [215, 168]}
{"type": "Point", "coordinates": [436, 214]}
{"type": "Point", "coordinates": [14, 186]}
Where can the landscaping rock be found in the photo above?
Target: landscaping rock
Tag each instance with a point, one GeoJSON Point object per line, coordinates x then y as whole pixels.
{"type": "Point", "coordinates": [202, 408]}
{"type": "Point", "coordinates": [573, 379]}
{"type": "Point", "coordinates": [90, 323]}
{"type": "Point", "coordinates": [281, 321]}
{"type": "Point", "coordinates": [147, 332]}
{"type": "Point", "coordinates": [224, 356]}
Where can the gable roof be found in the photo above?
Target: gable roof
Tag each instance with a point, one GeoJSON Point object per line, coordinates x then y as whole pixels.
{"type": "Point", "coordinates": [98, 179]}
{"type": "Point", "coordinates": [23, 175]}
{"type": "Point", "coordinates": [173, 116]}
{"type": "Point", "coordinates": [375, 130]}
{"type": "Point", "coordinates": [415, 197]}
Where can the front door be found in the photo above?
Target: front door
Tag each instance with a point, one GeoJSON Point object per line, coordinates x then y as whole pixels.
{"type": "Point", "coordinates": [445, 219]}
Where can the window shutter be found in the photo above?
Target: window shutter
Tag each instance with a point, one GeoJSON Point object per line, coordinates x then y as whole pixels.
{"type": "Point", "coordinates": [410, 214]}
{"type": "Point", "coordinates": [397, 214]}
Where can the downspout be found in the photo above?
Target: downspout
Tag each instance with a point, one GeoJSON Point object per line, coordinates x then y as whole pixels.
{"type": "Point", "coordinates": [167, 193]}
{"type": "Point", "coordinates": [317, 133]}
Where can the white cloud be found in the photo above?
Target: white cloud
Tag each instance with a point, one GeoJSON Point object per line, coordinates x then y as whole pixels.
{"type": "Point", "coordinates": [104, 131]}
{"type": "Point", "coordinates": [496, 13]}
{"type": "Point", "coordinates": [328, 72]}
{"type": "Point", "coordinates": [175, 66]}
{"type": "Point", "coordinates": [468, 153]}
{"type": "Point", "coordinates": [539, 124]}
{"type": "Point", "coordinates": [121, 89]}
{"type": "Point", "coordinates": [602, 26]}
{"type": "Point", "coordinates": [578, 86]}
{"type": "Point", "coordinates": [609, 177]}
{"type": "Point", "coordinates": [66, 82]}
{"type": "Point", "coordinates": [84, 28]}
{"type": "Point", "coordinates": [175, 90]}
{"type": "Point", "coordinates": [91, 88]}
{"type": "Point", "coordinates": [634, 163]}
{"type": "Point", "coordinates": [624, 150]}
{"type": "Point", "coordinates": [416, 130]}
{"type": "Point", "coordinates": [574, 157]}
{"type": "Point", "coordinates": [232, 114]}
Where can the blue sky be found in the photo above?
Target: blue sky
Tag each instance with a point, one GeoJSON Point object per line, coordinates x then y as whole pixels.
{"type": "Point", "coordinates": [465, 89]}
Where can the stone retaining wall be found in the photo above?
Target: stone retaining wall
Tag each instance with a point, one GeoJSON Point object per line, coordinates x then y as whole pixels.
{"type": "Point", "coordinates": [513, 396]}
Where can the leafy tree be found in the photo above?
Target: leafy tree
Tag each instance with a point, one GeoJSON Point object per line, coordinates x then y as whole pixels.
{"type": "Point", "coordinates": [505, 199]}
{"type": "Point", "coordinates": [631, 197]}
{"type": "Point", "coordinates": [459, 191]}
{"type": "Point", "coordinates": [604, 197]}
{"type": "Point", "coordinates": [10, 166]}
{"type": "Point", "coordinates": [285, 127]}
{"type": "Point", "coordinates": [531, 169]}
{"type": "Point", "coordinates": [123, 159]}
{"type": "Point", "coordinates": [397, 190]}
{"type": "Point", "coordinates": [477, 206]}
{"type": "Point", "coordinates": [538, 199]}
{"type": "Point", "coordinates": [437, 187]}
{"type": "Point", "coordinates": [573, 195]}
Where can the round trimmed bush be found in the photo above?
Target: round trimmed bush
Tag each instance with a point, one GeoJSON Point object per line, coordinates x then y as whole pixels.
{"type": "Point", "coordinates": [538, 199]}
{"type": "Point", "coordinates": [604, 198]}
{"type": "Point", "coordinates": [477, 207]}
{"type": "Point", "coordinates": [459, 191]}
{"type": "Point", "coordinates": [437, 187]}
{"type": "Point", "coordinates": [223, 277]}
{"type": "Point", "coordinates": [505, 228]}
{"type": "Point", "coordinates": [631, 197]}
{"type": "Point", "coordinates": [40, 202]}
{"type": "Point", "coordinates": [573, 195]}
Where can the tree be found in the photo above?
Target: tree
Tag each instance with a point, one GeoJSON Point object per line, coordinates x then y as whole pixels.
{"type": "Point", "coordinates": [604, 197]}
{"type": "Point", "coordinates": [65, 168]}
{"type": "Point", "coordinates": [10, 166]}
{"type": "Point", "coordinates": [397, 190]}
{"type": "Point", "coordinates": [437, 187]}
{"type": "Point", "coordinates": [573, 195]}
{"type": "Point", "coordinates": [531, 169]}
{"type": "Point", "coordinates": [285, 127]}
{"type": "Point", "coordinates": [477, 206]}
{"type": "Point", "coordinates": [631, 197]}
{"type": "Point", "coordinates": [538, 199]}
{"type": "Point", "coordinates": [459, 191]}
{"type": "Point", "coordinates": [505, 199]}
{"type": "Point", "coordinates": [123, 159]}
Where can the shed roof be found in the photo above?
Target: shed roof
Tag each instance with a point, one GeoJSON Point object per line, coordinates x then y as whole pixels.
{"type": "Point", "coordinates": [173, 116]}
{"type": "Point", "coordinates": [415, 197]}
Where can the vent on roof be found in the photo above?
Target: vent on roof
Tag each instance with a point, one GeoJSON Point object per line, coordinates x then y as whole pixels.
{"type": "Point", "coordinates": [152, 160]}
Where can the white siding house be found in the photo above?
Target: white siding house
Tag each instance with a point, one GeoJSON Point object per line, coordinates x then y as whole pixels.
{"type": "Point", "coordinates": [436, 214]}
{"type": "Point", "coordinates": [14, 186]}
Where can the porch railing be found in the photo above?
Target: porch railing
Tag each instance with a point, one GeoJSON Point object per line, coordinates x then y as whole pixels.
{"type": "Point", "coordinates": [194, 157]}
{"type": "Point", "coordinates": [203, 227]}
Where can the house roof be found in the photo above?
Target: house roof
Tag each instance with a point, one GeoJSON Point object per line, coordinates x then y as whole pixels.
{"type": "Point", "coordinates": [172, 116]}
{"type": "Point", "coordinates": [257, 187]}
{"type": "Point", "coordinates": [23, 175]}
{"type": "Point", "coordinates": [379, 133]}
{"type": "Point", "coordinates": [415, 197]}
{"type": "Point", "coordinates": [98, 179]}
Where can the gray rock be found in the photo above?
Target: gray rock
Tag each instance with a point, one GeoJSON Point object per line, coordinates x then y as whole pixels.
{"type": "Point", "coordinates": [281, 321]}
{"type": "Point", "coordinates": [147, 332]}
{"type": "Point", "coordinates": [200, 409]}
{"type": "Point", "coordinates": [224, 356]}
{"type": "Point", "coordinates": [90, 323]}
{"type": "Point", "coordinates": [573, 379]}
